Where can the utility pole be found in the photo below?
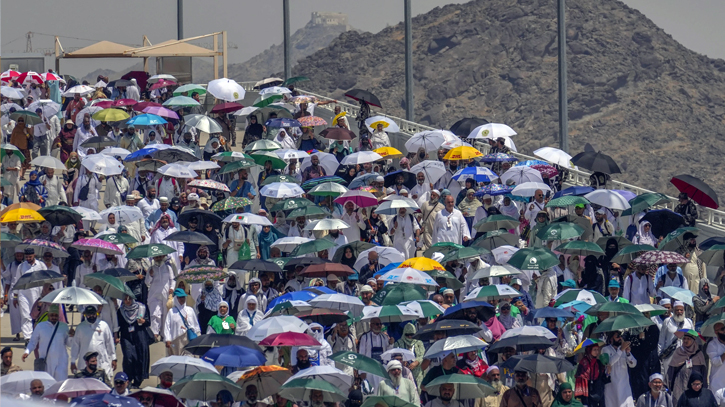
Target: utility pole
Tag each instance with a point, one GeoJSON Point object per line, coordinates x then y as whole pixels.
{"type": "Point", "coordinates": [563, 108]}
{"type": "Point", "coordinates": [408, 11]}
{"type": "Point", "coordinates": [287, 45]}
{"type": "Point", "coordinates": [179, 19]}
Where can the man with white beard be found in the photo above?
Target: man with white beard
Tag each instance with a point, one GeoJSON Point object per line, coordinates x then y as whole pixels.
{"type": "Point", "coordinates": [421, 191]}
{"type": "Point", "coordinates": [493, 377]}
{"type": "Point", "coordinates": [404, 229]}
{"type": "Point", "coordinates": [316, 398]}
{"type": "Point", "coordinates": [399, 386]}
{"type": "Point", "coordinates": [482, 211]}
{"type": "Point", "coordinates": [667, 333]}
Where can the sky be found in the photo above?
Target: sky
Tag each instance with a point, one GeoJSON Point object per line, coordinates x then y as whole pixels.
{"type": "Point", "coordinates": [255, 25]}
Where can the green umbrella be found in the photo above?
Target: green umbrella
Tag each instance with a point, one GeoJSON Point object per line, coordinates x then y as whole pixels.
{"type": "Point", "coordinates": [579, 294]}
{"type": "Point", "coordinates": [30, 117]}
{"type": "Point", "coordinates": [300, 390]}
{"type": "Point", "coordinates": [5, 148]}
{"type": "Point", "coordinates": [708, 327]}
{"type": "Point", "coordinates": [645, 201]}
{"type": "Point", "coordinates": [464, 253]}
{"type": "Point", "coordinates": [149, 250]}
{"type": "Point", "coordinates": [190, 89]}
{"type": "Point", "coordinates": [268, 99]}
{"type": "Point", "coordinates": [112, 286]}
{"type": "Point", "coordinates": [290, 204]}
{"type": "Point", "coordinates": [442, 247]}
{"type": "Point", "coordinates": [312, 246]}
{"type": "Point", "coordinates": [388, 401]}
{"type": "Point", "coordinates": [262, 157]}
{"type": "Point", "coordinates": [534, 258]}
{"type": "Point", "coordinates": [560, 231]}
{"type": "Point", "coordinates": [496, 222]}
{"type": "Point", "coordinates": [465, 386]}
{"type": "Point", "coordinates": [9, 240]}
{"type": "Point", "coordinates": [631, 252]}
{"type": "Point", "coordinates": [230, 156]}
{"type": "Point", "coordinates": [675, 239]}
{"type": "Point", "coordinates": [205, 387]}
{"type": "Point", "coordinates": [262, 145]}
{"type": "Point", "coordinates": [621, 241]}
{"type": "Point", "coordinates": [237, 165]}
{"type": "Point", "coordinates": [183, 101]}
{"type": "Point", "coordinates": [714, 256]}
{"type": "Point", "coordinates": [613, 308]}
{"type": "Point", "coordinates": [653, 309]}
{"type": "Point", "coordinates": [496, 238]}
{"type": "Point", "coordinates": [493, 292]}
{"type": "Point", "coordinates": [450, 280]}
{"type": "Point", "coordinates": [280, 178]}
{"type": "Point", "coordinates": [281, 261]}
{"type": "Point", "coordinates": [580, 248]}
{"type": "Point", "coordinates": [568, 200]}
{"type": "Point", "coordinates": [289, 308]}
{"type": "Point", "coordinates": [357, 248]}
{"type": "Point", "coordinates": [360, 362]}
{"type": "Point", "coordinates": [118, 238]}
{"type": "Point", "coordinates": [293, 80]}
{"type": "Point", "coordinates": [427, 308]}
{"type": "Point", "coordinates": [230, 204]}
{"type": "Point", "coordinates": [625, 321]}
{"type": "Point", "coordinates": [328, 189]}
{"type": "Point", "coordinates": [310, 211]}
{"type": "Point", "coordinates": [394, 294]}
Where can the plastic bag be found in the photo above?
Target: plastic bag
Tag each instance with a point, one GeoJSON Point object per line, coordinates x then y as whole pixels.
{"type": "Point", "coordinates": [244, 252]}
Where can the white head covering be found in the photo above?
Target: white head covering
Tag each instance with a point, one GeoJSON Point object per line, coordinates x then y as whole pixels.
{"type": "Point", "coordinates": [665, 301]}
{"type": "Point", "coordinates": [645, 238]}
{"type": "Point", "coordinates": [679, 304]}
{"type": "Point", "coordinates": [393, 364]}
{"type": "Point", "coordinates": [656, 376]}
{"type": "Point", "coordinates": [317, 335]}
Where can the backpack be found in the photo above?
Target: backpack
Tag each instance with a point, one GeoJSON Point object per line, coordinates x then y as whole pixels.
{"type": "Point", "coordinates": [31, 195]}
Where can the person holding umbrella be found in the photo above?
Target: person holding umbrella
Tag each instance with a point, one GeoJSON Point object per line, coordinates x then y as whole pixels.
{"type": "Point", "coordinates": [687, 209]}
{"type": "Point", "coordinates": [399, 386]}
{"type": "Point", "coordinates": [618, 391]}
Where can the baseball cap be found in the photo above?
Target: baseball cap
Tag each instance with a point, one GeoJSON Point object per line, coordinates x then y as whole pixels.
{"type": "Point", "coordinates": [120, 376]}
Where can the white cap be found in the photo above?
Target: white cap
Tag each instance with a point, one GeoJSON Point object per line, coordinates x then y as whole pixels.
{"type": "Point", "coordinates": [366, 289]}
{"type": "Point", "coordinates": [193, 197]}
{"type": "Point", "coordinates": [656, 376]}
{"type": "Point", "coordinates": [435, 191]}
{"type": "Point", "coordinates": [379, 178]}
{"type": "Point", "coordinates": [403, 191]}
{"type": "Point", "coordinates": [393, 364]}
{"type": "Point", "coordinates": [665, 301]}
{"type": "Point", "coordinates": [679, 304]}
{"type": "Point", "coordinates": [163, 199]}
{"type": "Point", "coordinates": [487, 196]}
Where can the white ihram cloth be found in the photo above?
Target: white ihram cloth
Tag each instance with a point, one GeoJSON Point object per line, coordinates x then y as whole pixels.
{"type": "Point", "coordinates": [450, 227]}
{"type": "Point", "coordinates": [404, 237]}
{"type": "Point", "coordinates": [96, 337]}
{"type": "Point", "coordinates": [26, 298]}
{"type": "Point", "coordinates": [618, 392]}
{"type": "Point", "coordinates": [57, 364]}
{"type": "Point", "coordinates": [159, 285]}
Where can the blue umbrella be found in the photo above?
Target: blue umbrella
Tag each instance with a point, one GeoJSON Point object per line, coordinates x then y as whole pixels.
{"type": "Point", "coordinates": [146, 119]}
{"type": "Point", "coordinates": [321, 289]}
{"type": "Point", "coordinates": [105, 400]}
{"type": "Point", "coordinates": [576, 190]}
{"type": "Point", "coordinates": [293, 296]}
{"type": "Point", "coordinates": [493, 190]}
{"type": "Point", "coordinates": [387, 268]}
{"type": "Point", "coordinates": [234, 356]}
{"type": "Point", "coordinates": [549, 312]}
{"type": "Point", "coordinates": [140, 154]}
{"type": "Point", "coordinates": [578, 306]}
{"type": "Point", "coordinates": [362, 180]}
{"type": "Point", "coordinates": [529, 163]}
{"type": "Point", "coordinates": [479, 174]}
{"type": "Point", "coordinates": [282, 122]}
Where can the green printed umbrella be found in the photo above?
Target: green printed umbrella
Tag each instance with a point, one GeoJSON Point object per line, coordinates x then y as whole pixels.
{"type": "Point", "coordinates": [149, 250]}
{"type": "Point", "coordinates": [290, 204]}
{"type": "Point", "coordinates": [620, 322]}
{"type": "Point", "coordinates": [676, 239]}
{"type": "Point", "coordinates": [645, 201]}
{"type": "Point", "coordinates": [464, 253]}
{"type": "Point", "coordinates": [360, 362]}
{"type": "Point", "coordinates": [280, 178]}
{"type": "Point", "coordinates": [493, 292]}
{"type": "Point", "coordinates": [313, 246]}
{"type": "Point", "coordinates": [190, 89]}
{"type": "Point", "coordinates": [450, 280]}
{"type": "Point", "coordinates": [442, 247]}
{"type": "Point", "coordinates": [631, 252]}
{"type": "Point", "coordinates": [577, 294]}
{"type": "Point", "coordinates": [580, 248]}
{"type": "Point", "coordinates": [496, 222]}
{"type": "Point", "coordinates": [534, 258]}
{"type": "Point", "coordinates": [112, 286]}
{"type": "Point", "coordinates": [262, 145]}
{"type": "Point", "coordinates": [328, 189]}
{"type": "Point", "coordinates": [118, 238]}
{"type": "Point", "coordinates": [560, 231]}
{"type": "Point", "coordinates": [281, 261]}
{"type": "Point", "coordinates": [427, 308]}
{"type": "Point", "coordinates": [613, 308]}
{"type": "Point", "coordinates": [496, 238]}
{"type": "Point", "coordinates": [7, 237]}
{"type": "Point", "coordinates": [262, 157]}
{"type": "Point", "coordinates": [230, 204]}
{"type": "Point", "coordinates": [230, 156]}
{"type": "Point", "coordinates": [394, 294]}
{"type": "Point", "coordinates": [205, 387]}
{"type": "Point", "coordinates": [568, 200]}
{"type": "Point", "coordinates": [235, 166]}
{"type": "Point", "coordinates": [465, 386]}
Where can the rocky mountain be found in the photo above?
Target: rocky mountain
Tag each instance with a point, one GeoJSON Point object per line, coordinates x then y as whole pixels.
{"type": "Point", "coordinates": [634, 92]}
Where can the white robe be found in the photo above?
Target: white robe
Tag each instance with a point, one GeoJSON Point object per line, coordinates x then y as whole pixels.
{"type": "Point", "coordinates": [618, 393]}
{"type": "Point", "coordinates": [174, 325]}
{"type": "Point", "coordinates": [455, 231]}
{"type": "Point", "coordinates": [246, 320]}
{"type": "Point", "coordinates": [339, 241]}
{"type": "Point", "coordinates": [115, 186]}
{"type": "Point", "coordinates": [56, 191]}
{"type": "Point", "coordinates": [715, 349]}
{"type": "Point", "coordinates": [83, 270]}
{"type": "Point", "coordinates": [419, 190]}
{"type": "Point", "coordinates": [57, 364]}
{"type": "Point", "coordinates": [404, 237]}
{"type": "Point", "coordinates": [532, 209]}
{"type": "Point", "coordinates": [15, 315]}
{"type": "Point", "coordinates": [158, 237]}
{"type": "Point", "coordinates": [26, 298]}
{"type": "Point", "coordinates": [159, 285]}
{"type": "Point", "coordinates": [447, 182]}
{"type": "Point", "coordinates": [81, 136]}
{"type": "Point", "coordinates": [546, 288]}
{"type": "Point", "coordinates": [353, 232]}
{"type": "Point", "coordinates": [148, 207]}
{"type": "Point", "coordinates": [97, 338]}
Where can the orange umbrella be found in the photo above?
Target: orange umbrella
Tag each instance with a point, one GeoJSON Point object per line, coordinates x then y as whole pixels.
{"type": "Point", "coordinates": [267, 379]}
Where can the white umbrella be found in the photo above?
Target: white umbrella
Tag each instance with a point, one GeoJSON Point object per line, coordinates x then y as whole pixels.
{"type": "Point", "coordinates": [327, 224]}
{"type": "Point", "coordinates": [276, 325]}
{"type": "Point", "coordinates": [268, 80]}
{"type": "Point", "coordinates": [177, 171]}
{"type": "Point", "coordinates": [451, 144]}
{"type": "Point", "coordinates": [389, 313]}
{"type": "Point", "coordinates": [226, 89]}
{"type": "Point", "coordinates": [76, 387]}
{"type": "Point", "coordinates": [275, 90]}
{"type": "Point", "coordinates": [433, 170]}
{"type": "Point", "coordinates": [417, 306]}
{"type": "Point", "coordinates": [530, 188]}
{"type": "Point", "coordinates": [288, 154]}
{"type": "Point", "coordinates": [295, 306]}
{"type": "Point", "coordinates": [340, 302]}
{"type": "Point", "coordinates": [247, 219]}
{"type": "Point", "coordinates": [327, 161]}
{"type": "Point", "coordinates": [5, 107]}
{"type": "Point", "coordinates": [102, 164]}
{"type": "Point", "coordinates": [503, 254]}
{"type": "Point", "coordinates": [79, 90]}
{"type": "Point", "coordinates": [409, 275]}
{"type": "Point", "coordinates": [494, 291]}
{"type": "Point", "coordinates": [87, 213]}
{"type": "Point", "coordinates": [332, 375]}
{"type": "Point", "coordinates": [459, 344]}
{"type": "Point", "coordinates": [124, 214]}
{"type": "Point", "coordinates": [116, 152]}
{"type": "Point", "coordinates": [90, 111]}
{"type": "Point", "coordinates": [408, 355]}
{"type": "Point", "coordinates": [287, 244]}
{"type": "Point", "coordinates": [100, 84]}
{"type": "Point", "coordinates": [391, 206]}
{"type": "Point", "coordinates": [521, 174]}
{"type": "Point", "coordinates": [49, 107]}
{"type": "Point", "coordinates": [181, 366]}
{"type": "Point", "coordinates": [74, 296]}
{"type": "Point", "coordinates": [200, 165]}
{"type": "Point", "coordinates": [386, 255]}
{"type": "Point", "coordinates": [529, 331]}
{"type": "Point", "coordinates": [582, 295]}
{"type": "Point", "coordinates": [554, 155]}
{"type": "Point", "coordinates": [361, 157]}
{"type": "Point", "coordinates": [161, 76]}
{"type": "Point", "coordinates": [495, 271]}
{"type": "Point", "coordinates": [11, 93]}
{"type": "Point", "coordinates": [47, 161]}
{"type": "Point", "coordinates": [608, 199]}
{"type": "Point", "coordinates": [281, 190]}
{"type": "Point", "coordinates": [246, 111]}
{"type": "Point", "coordinates": [429, 140]}
{"type": "Point", "coordinates": [491, 130]}
{"type": "Point", "coordinates": [202, 123]}
{"type": "Point", "coordinates": [19, 382]}
{"type": "Point", "coordinates": [391, 127]}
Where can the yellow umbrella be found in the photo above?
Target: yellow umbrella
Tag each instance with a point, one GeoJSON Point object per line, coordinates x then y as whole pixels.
{"type": "Point", "coordinates": [462, 153]}
{"type": "Point", "coordinates": [339, 115]}
{"type": "Point", "coordinates": [422, 263]}
{"type": "Point", "coordinates": [21, 215]}
{"type": "Point", "coordinates": [389, 153]}
{"type": "Point", "coordinates": [111, 115]}
{"type": "Point", "coordinates": [24, 205]}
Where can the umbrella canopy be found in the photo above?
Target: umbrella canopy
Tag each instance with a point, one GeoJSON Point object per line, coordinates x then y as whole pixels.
{"type": "Point", "coordinates": [275, 325]}
{"type": "Point", "coordinates": [613, 309]}
{"type": "Point", "coordinates": [663, 221]}
{"type": "Point", "coordinates": [645, 201]}
{"type": "Point", "coordinates": [21, 215]}
{"type": "Point", "coordinates": [565, 201]}
{"type": "Point", "coordinates": [496, 238]}
{"type": "Point", "coordinates": [177, 171]}
{"type": "Point", "coordinates": [203, 343]}
{"type": "Point", "coordinates": [580, 248]}
{"type": "Point", "coordinates": [71, 388]}
{"type": "Point", "coordinates": [560, 231]}
{"type": "Point", "coordinates": [393, 205]}
{"type": "Point", "coordinates": [161, 397]}
{"type": "Point", "coordinates": [422, 263]}
{"type": "Point", "coordinates": [102, 164]}
{"type": "Point", "coordinates": [681, 294]}
{"type": "Point", "coordinates": [425, 308]}
{"type": "Point", "coordinates": [714, 255]}
{"type": "Point", "coordinates": [484, 311]}
{"type": "Point", "coordinates": [608, 199]}
{"type": "Point", "coordinates": [146, 119]}
{"type": "Point", "coordinates": [364, 96]}
{"type": "Point", "coordinates": [520, 175]}
{"type": "Point", "coordinates": [325, 269]}
{"type": "Point", "coordinates": [149, 250]}
{"type": "Point", "coordinates": [389, 313]}
{"type": "Point", "coordinates": [124, 214]}
{"type": "Point", "coordinates": [458, 344]}
{"type": "Point", "coordinates": [660, 257]}
{"type": "Point", "coordinates": [330, 374]}
{"type": "Point", "coordinates": [37, 278]}
{"type": "Point", "coordinates": [534, 259]}
{"type": "Point", "coordinates": [202, 123]}
{"type": "Point", "coordinates": [74, 296]}
{"type": "Point", "coordinates": [313, 246]}
{"type": "Point", "coordinates": [492, 292]}
{"type": "Point", "coordinates": [549, 312]}
{"type": "Point", "coordinates": [675, 240]}
{"type": "Point", "coordinates": [386, 255]}
{"type": "Point", "coordinates": [204, 387]}
{"type": "Point", "coordinates": [47, 161]}
{"type": "Point", "coordinates": [393, 294]}
{"type": "Point", "coordinates": [301, 390]}
{"type": "Point", "coordinates": [597, 162]}
{"type": "Point", "coordinates": [697, 190]}
{"type": "Point", "coordinates": [267, 380]}
{"type": "Point", "coordinates": [340, 302]}
{"type": "Point", "coordinates": [281, 190]}
{"type": "Point", "coordinates": [452, 327]}
{"type": "Point", "coordinates": [226, 89]}
{"type": "Point", "coordinates": [409, 275]}
{"type": "Point", "coordinates": [181, 366]}
{"type": "Point", "coordinates": [360, 362]}
{"type": "Point", "coordinates": [43, 246]}
{"type": "Point", "coordinates": [112, 286]}
{"type": "Point", "coordinates": [624, 321]}
{"type": "Point", "coordinates": [287, 244]}
{"type": "Point", "coordinates": [495, 271]}
{"type": "Point", "coordinates": [120, 273]}
{"type": "Point", "coordinates": [290, 339]}
{"type": "Point", "coordinates": [554, 155]}
{"type": "Point", "coordinates": [590, 297]}
{"type": "Point", "coordinates": [361, 199]}
{"type": "Point", "coordinates": [464, 386]}
{"type": "Point", "coordinates": [328, 189]}
{"type": "Point", "coordinates": [462, 153]}
{"type": "Point", "coordinates": [97, 246]}
{"type": "Point", "coordinates": [327, 224]}
{"type": "Point", "coordinates": [538, 364]}
{"type": "Point", "coordinates": [234, 356]}
{"type": "Point", "coordinates": [19, 382]}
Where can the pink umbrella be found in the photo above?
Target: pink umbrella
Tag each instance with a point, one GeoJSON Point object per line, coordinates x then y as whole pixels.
{"type": "Point", "coordinates": [123, 102]}
{"type": "Point", "coordinates": [289, 339]}
{"type": "Point", "coordinates": [660, 257]}
{"type": "Point", "coordinates": [71, 388]}
{"type": "Point", "coordinates": [360, 198]}
{"type": "Point", "coordinates": [162, 84]}
{"type": "Point", "coordinates": [547, 171]}
{"type": "Point", "coordinates": [104, 104]}
{"type": "Point", "coordinates": [97, 246]}
{"type": "Point", "coordinates": [207, 183]}
{"type": "Point", "coordinates": [161, 111]}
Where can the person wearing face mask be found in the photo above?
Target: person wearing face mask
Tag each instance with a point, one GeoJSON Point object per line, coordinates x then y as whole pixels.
{"type": "Point", "coordinates": [249, 316]}
{"type": "Point", "coordinates": [93, 335]}
{"type": "Point", "coordinates": [131, 142]}
{"type": "Point", "coordinates": [320, 356]}
{"type": "Point", "coordinates": [91, 370]}
{"type": "Point", "coordinates": [232, 293]}
{"type": "Point", "coordinates": [188, 142]}
{"type": "Point", "coordinates": [255, 290]}
{"type": "Point", "coordinates": [618, 391]}
{"type": "Point", "coordinates": [207, 303]}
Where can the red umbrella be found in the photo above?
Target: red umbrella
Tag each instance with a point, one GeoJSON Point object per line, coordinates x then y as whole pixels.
{"type": "Point", "coordinates": [547, 171]}
{"type": "Point", "coordinates": [50, 76]}
{"type": "Point", "coordinates": [30, 77]}
{"type": "Point", "coordinates": [697, 190]}
{"type": "Point", "coordinates": [289, 339]}
{"type": "Point", "coordinates": [325, 269]}
{"type": "Point", "coordinates": [9, 75]}
{"type": "Point", "coordinates": [123, 102]}
{"type": "Point", "coordinates": [162, 84]}
{"type": "Point", "coordinates": [139, 107]}
{"type": "Point", "coordinates": [104, 104]}
{"type": "Point", "coordinates": [323, 316]}
{"type": "Point", "coordinates": [227, 107]}
{"type": "Point", "coordinates": [162, 397]}
{"type": "Point", "coordinates": [140, 76]}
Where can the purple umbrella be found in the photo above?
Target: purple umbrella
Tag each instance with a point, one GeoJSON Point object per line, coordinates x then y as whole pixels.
{"type": "Point", "coordinates": [161, 111]}
{"type": "Point", "coordinates": [628, 195]}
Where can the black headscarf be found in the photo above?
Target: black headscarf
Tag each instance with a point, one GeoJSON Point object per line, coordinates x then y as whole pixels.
{"type": "Point", "coordinates": [255, 129]}
{"type": "Point", "coordinates": [610, 253]}
{"type": "Point", "coordinates": [590, 274]}
{"type": "Point", "coordinates": [699, 398]}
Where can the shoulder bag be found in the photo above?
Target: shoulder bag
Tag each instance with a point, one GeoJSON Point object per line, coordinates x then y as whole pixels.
{"type": "Point", "coordinates": [39, 365]}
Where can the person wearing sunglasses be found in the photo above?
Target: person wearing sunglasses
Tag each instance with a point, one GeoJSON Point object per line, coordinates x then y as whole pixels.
{"type": "Point", "coordinates": [120, 385]}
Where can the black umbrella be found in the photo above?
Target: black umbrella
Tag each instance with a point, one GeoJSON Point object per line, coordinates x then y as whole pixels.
{"type": "Point", "coordinates": [452, 327]}
{"type": "Point", "coordinates": [172, 155]}
{"type": "Point", "coordinates": [120, 82]}
{"type": "Point", "coordinates": [37, 279]}
{"type": "Point", "coordinates": [663, 221]}
{"type": "Point", "coordinates": [408, 178]}
{"type": "Point", "coordinates": [203, 343]}
{"type": "Point", "coordinates": [203, 217]}
{"type": "Point", "coordinates": [365, 96]}
{"type": "Point", "coordinates": [323, 316]}
{"type": "Point", "coordinates": [521, 343]}
{"type": "Point", "coordinates": [708, 243]}
{"type": "Point", "coordinates": [483, 309]}
{"type": "Point", "coordinates": [597, 162]}
{"type": "Point", "coordinates": [187, 236]}
{"type": "Point", "coordinates": [304, 262]}
{"type": "Point", "coordinates": [98, 142]}
{"type": "Point", "coordinates": [256, 265]}
{"type": "Point", "coordinates": [337, 133]}
{"type": "Point", "coordinates": [59, 215]}
{"type": "Point", "coordinates": [697, 190]}
{"type": "Point", "coordinates": [537, 363]}
{"type": "Point", "coordinates": [465, 126]}
{"type": "Point", "coordinates": [120, 273]}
